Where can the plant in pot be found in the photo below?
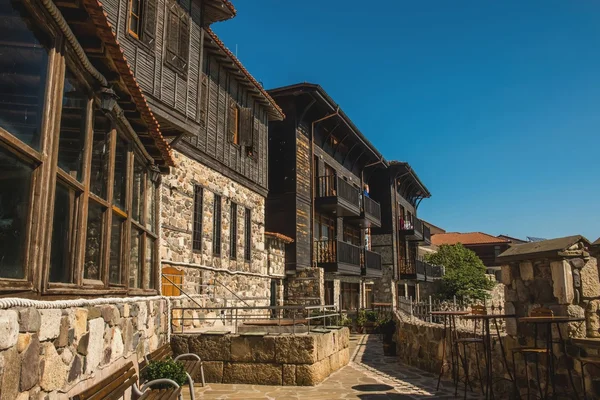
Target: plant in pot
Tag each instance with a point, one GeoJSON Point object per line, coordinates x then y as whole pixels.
{"type": "Point", "coordinates": [165, 369]}
{"type": "Point", "coordinates": [371, 321]}
{"type": "Point", "coordinates": [386, 326]}
{"type": "Point", "coordinates": [361, 320]}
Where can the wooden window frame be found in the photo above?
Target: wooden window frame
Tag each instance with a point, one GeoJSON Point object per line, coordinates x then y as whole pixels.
{"type": "Point", "coordinates": [180, 61]}
{"type": "Point", "coordinates": [46, 174]}
{"type": "Point", "coordinates": [130, 13]}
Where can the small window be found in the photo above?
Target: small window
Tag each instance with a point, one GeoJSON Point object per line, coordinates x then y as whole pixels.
{"type": "Point", "coordinates": [141, 23]}
{"type": "Point", "coordinates": [217, 226]}
{"type": "Point", "coordinates": [247, 235]}
{"type": "Point", "coordinates": [178, 39]}
{"type": "Point", "coordinates": [197, 234]}
{"type": "Point", "coordinates": [135, 12]}
{"type": "Point", "coordinates": [233, 231]}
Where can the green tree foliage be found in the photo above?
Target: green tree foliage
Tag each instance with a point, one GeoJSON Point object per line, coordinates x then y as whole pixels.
{"type": "Point", "coordinates": [465, 273]}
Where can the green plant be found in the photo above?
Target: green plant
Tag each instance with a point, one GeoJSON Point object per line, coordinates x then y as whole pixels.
{"type": "Point", "coordinates": [361, 318]}
{"type": "Point", "coordinates": [345, 321]}
{"type": "Point", "coordinates": [165, 369]}
{"type": "Point", "coordinates": [465, 273]}
{"type": "Point", "coordinates": [371, 316]}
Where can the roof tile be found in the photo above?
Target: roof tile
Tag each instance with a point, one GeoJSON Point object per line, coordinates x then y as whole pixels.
{"type": "Point", "coordinates": [466, 238]}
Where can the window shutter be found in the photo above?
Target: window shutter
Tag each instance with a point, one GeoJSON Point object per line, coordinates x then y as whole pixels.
{"type": "Point", "coordinates": [255, 137]}
{"type": "Point", "coordinates": [149, 21]}
{"type": "Point", "coordinates": [232, 121]}
{"type": "Point", "coordinates": [204, 100]}
{"type": "Point", "coordinates": [246, 128]}
{"type": "Point", "coordinates": [184, 41]}
{"type": "Point", "coordinates": [172, 36]}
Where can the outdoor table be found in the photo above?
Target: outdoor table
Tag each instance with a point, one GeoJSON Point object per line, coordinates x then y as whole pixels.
{"type": "Point", "coordinates": [548, 321]}
{"type": "Point", "coordinates": [487, 346]}
{"type": "Point", "coordinates": [449, 323]}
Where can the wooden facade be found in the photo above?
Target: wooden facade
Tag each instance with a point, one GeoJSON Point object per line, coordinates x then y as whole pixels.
{"type": "Point", "coordinates": [202, 96]}
{"type": "Point", "coordinates": [80, 154]}
{"type": "Point", "coordinates": [319, 163]}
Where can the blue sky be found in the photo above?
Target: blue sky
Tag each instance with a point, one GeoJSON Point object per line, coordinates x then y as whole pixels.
{"type": "Point", "coordinates": [495, 104]}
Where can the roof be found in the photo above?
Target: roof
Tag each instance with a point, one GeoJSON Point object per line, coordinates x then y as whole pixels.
{"type": "Point", "coordinates": [513, 239]}
{"type": "Point", "coordinates": [393, 164]}
{"type": "Point", "coordinates": [106, 34]}
{"type": "Point", "coordinates": [276, 113]}
{"type": "Point", "coordinates": [280, 236]}
{"type": "Point", "coordinates": [432, 225]}
{"type": "Point", "coordinates": [471, 238]}
{"type": "Point", "coordinates": [218, 10]}
{"type": "Point", "coordinates": [545, 248]}
{"type": "Point", "coordinates": [596, 243]}
{"type": "Point", "coordinates": [313, 87]}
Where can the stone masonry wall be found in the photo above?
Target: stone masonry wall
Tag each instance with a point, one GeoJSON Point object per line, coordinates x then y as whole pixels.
{"type": "Point", "coordinates": [288, 360]}
{"type": "Point", "coordinates": [306, 287]}
{"type": "Point", "coordinates": [55, 353]}
{"type": "Point", "coordinates": [382, 290]}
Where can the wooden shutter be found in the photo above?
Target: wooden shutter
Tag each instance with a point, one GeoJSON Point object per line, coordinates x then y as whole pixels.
{"type": "Point", "coordinates": [149, 22]}
{"type": "Point", "coordinates": [232, 122]}
{"type": "Point", "coordinates": [246, 127]}
{"type": "Point", "coordinates": [184, 41]}
{"type": "Point", "coordinates": [172, 36]}
{"type": "Point", "coordinates": [204, 100]}
{"type": "Point", "coordinates": [255, 137]}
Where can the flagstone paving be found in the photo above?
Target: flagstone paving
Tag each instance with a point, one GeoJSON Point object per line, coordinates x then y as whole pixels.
{"type": "Point", "coordinates": [369, 376]}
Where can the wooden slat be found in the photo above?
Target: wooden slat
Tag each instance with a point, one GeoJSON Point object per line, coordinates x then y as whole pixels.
{"type": "Point", "coordinates": [104, 387]}
{"type": "Point", "coordinates": [117, 392]}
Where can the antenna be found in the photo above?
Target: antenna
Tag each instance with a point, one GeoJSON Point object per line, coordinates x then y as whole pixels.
{"type": "Point", "coordinates": [236, 51]}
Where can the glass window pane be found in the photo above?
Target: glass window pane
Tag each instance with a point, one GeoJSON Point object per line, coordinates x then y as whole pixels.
{"type": "Point", "coordinates": [15, 190]}
{"type": "Point", "coordinates": [135, 265]}
{"type": "Point", "coordinates": [100, 155]}
{"type": "Point", "coordinates": [72, 128]}
{"type": "Point", "coordinates": [115, 270]}
{"type": "Point", "coordinates": [151, 206]}
{"type": "Point", "coordinates": [66, 206]}
{"type": "Point", "coordinates": [138, 191]}
{"type": "Point", "coordinates": [120, 174]}
{"type": "Point", "coordinates": [93, 242]}
{"type": "Point", "coordinates": [23, 64]}
{"type": "Point", "coordinates": [149, 267]}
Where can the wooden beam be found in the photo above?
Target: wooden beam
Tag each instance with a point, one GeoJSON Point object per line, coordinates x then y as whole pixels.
{"type": "Point", "coordinates": [91, 44]}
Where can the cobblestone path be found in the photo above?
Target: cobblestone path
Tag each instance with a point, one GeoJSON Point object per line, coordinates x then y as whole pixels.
{"type": "Point", "coordinates": [369, 376]}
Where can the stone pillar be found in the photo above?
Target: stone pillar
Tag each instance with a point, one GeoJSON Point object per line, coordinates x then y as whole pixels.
{"type": "Point", "coordinates": [562, 279]}
{"type": "Point", "coordinates": [306, 287]}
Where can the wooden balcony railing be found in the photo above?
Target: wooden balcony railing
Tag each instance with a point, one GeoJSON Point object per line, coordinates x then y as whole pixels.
{"type": "Point", "coordinates": [427, 271]}
{"type": "Point", "coordinates": [426, 233]}
{"type": "Point", "coordinates": [335, 251]}
{"type": "Point", "coordinates": [372, 260]}
{"type": "Point", "coordinates": [333, 186]}
{"type": "Point", "coordinates": [407, 267]}
{"type": "Point", "coordinates": [372, 208]}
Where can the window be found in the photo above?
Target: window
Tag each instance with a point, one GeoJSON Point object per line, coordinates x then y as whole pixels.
{"type": "Point", "coordinates": [233, 231]}
{"type": "Point", "coordinates": [197, 234]}
{"type": "Point", "coordinates": [88, 192]}
{"type": "Point", "coordinates": [369, 296]}
{"type": "Point", "coordinates": [141, 23]}
{"type": "Point", "coordinates": [217, 226]}
{"type": "Point", "coordinates": [350, 296]}
{"type": "Point", "coordinates": [247, 235]}
{"type": "Point", "coordinates": [234, 122]}
{"type": "Point", "coordinates": [352, 235]}
{"type": "Point", "coordinates": [178, 38]}
{"type": "Point", "coordinates": [324, 227]}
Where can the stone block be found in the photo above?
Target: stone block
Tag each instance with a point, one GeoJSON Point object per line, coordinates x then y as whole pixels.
{"type": "Point", "coordinates": [334, 361]}
{"type": "Point", "coordinates": [94, 312]}
{"type": "Point", "coordinates": [179, 344]}
{"type": "Point", "coordinates": [562, 279]}
{"type": "Point", "coordinates": [76, 369]}
{"type": "Point", "coordinates": [50, 324]}
{"type": "Point", "coordinates": [252, 373]}
{"type": "Point", "coordinates": [95, 344]}
{"type": "Point", "coordinates": [9, 328]}
{"type": "Point", "coordinates": [111, 314]}
{"type": "Point", "coordinates": [211, 347]}
{"type": "Point", "coordinates": [344, 357]}
{"type": "Point", "coordinates": [510, 323]}
{"type": "Point", "coordinates": [593, 319]}
{"type": "Point", "coordinates": [23, 341]}
{"type": "Point", "coordinates": [289, 375]}
{"type": "Point", "coordinates": [30, 373]}
{"type": "Point", "coordinates": [29, 320]}
{"type": "Point", "coordinates": [142, 316]}
{"type": "Point", "coordinates": [325, 345]}
{"type": "Point", "coordinates": [116, 344]}
{"type": "Point", "coordinates": [80, 322]}
{"type": "Point", "coordinates": [54, 371]}
{"type": "Point", "coordinates": [213, 372]}
{"type": "Point", "coordinates": [11, 375]}
{"type": "Point", "coordinates": [63, 336]}
{"type": "Point", "coordinates": [66, 355]}
{"type": "Point", "coordinates": [590, 281]}
{"type": "Point", "coordinates": [296, 350]}
{"type": "Point", "coordinates": [526, 270]}
{"type": "Point", "coordinates": [505, 275]}
{"type": "Point", "coordinates": [253, 349]}
{"type": "Point", "coordinates": [127, 337]}
{"type": "Point", "coordinates": [310, 375]}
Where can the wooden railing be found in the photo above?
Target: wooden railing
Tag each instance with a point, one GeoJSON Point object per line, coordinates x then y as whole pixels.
{"type": "Point", "coordinates": [426, 233]}
{"type": "Point", "coordinates": [332, 185]}
{"type": "Point", "coordinates": [334, 251]}
{"type": "Point", "coordinates": [372, 260]}
{"type": "Point", "coordinates": [372, 208]}
{"type": "Point", "coordinates": [407, 267]}
{"type": "Point", "coordinates": [428, 271]}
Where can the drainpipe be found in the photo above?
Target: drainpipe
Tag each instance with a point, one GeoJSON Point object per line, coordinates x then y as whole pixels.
{"type": "Point", "coordinates": [312, 191]}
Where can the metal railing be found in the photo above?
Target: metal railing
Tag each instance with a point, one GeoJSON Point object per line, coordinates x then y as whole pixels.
{"type": "Point", "coordinates": [372, 208]}
{"type": "Point", "coordinates": [428, 272]}
{"type": "Point", "coordinates": [407, 267]}
{"type": "Point", "coordinates": [230, 318]}
{"type": "Point", "coordinates": [334, 251]}
{"type": "Point", "coordinates": [334, 186]}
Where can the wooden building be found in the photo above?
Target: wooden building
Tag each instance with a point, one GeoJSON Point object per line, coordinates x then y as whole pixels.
{"type": "Point", "coordinates": [319, 163]}
{"type": "Point", "coordinates": [400, 191]}
{"type": "Point", "coordinates": [216, 115]}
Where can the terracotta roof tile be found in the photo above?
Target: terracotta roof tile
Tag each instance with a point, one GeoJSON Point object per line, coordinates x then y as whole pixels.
{"type": "Point", "coordinates": [220, 43]}
{"type": "Point", "coordinates": [280, 237]}
{"type": "Point", "coordinates": [465, 238]}
{"type": "Point", "coordinates": [230, 6]}
{"type": "Point", "coordinates": [107, 35]}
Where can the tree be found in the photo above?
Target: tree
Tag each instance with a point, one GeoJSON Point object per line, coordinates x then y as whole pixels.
{"type": "Point", "coordinates": [465, 273]}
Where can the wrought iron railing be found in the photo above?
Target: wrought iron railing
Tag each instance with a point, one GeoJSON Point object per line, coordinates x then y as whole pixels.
{"type": "Point", "coordinates": [372, 208]}
{"type": "Point", "coordinates": [372, 260]}
{"type": "Point", "coordinates": [407, 267]}
{"type": "Point", "coordinates": [334, 251]}
{"type": "Point", "coordinates": [333, 186]}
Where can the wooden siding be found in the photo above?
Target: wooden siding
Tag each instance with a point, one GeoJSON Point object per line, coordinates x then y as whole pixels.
{"type": "Point", "coordinates": [178, 93]}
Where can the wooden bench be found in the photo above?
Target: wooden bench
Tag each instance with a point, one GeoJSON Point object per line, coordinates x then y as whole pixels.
{"type": "Point", "coordinates": [114, 386]}
{"type": "Point", "coordinates": [191, 363]}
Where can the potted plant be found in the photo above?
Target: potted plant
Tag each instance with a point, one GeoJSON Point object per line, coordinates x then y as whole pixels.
{"type": "Point", "coordinates": [371, 321]}
{"type": "Point", "coordinates": [386, 326]}
{"type": "Point", "coordinates": [165, 369]}
{"type": "Point", "coordinates": [361, 320]}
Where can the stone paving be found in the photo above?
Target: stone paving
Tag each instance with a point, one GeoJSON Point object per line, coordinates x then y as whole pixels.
{"type": "Point", "coordinates": [369, 376]}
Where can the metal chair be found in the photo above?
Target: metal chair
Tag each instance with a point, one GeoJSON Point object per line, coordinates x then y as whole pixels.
{"type": "Point", "coordinates": [528, 350]}
{"type": "Point", "coordinates": [595, 361]}
{"type": "Point", "coordinates": [465, 342]}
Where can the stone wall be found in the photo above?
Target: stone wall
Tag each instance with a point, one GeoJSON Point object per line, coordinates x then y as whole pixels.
{"type": "Point", "coordinates": [306, 287]}
{"type": "Point", "coordinates": [383, 291]}
{"type": "Point", "coordinates": [288, 360]}
{"type": "Point", "coordinates": [55, 353]}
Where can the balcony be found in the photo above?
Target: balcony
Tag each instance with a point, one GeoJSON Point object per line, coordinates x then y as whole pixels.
{"type": "Point", "coordinates": [408, 269]}
{"type": "Point", "coordinates": [372, 265]}
{"type": "Point", "coordinates": [337, 196]}
{"type": "Point", "coordinates": [426, 235]}
{"type": "Point", "coordinates": [338, 257]}
{"type": "Point", "coordinates": [411, 230]}
{"type": "Point", "coordinates": [427, 272]}
{"type": "Point", "coordinates": [370, 213]}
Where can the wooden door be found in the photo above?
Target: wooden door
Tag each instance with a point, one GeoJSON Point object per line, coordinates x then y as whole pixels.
{"type": "Point", "coordinates": [176, 277]}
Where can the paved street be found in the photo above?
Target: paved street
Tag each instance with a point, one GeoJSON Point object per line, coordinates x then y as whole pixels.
{"type": "Point", "coordinates": [369, 376]}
